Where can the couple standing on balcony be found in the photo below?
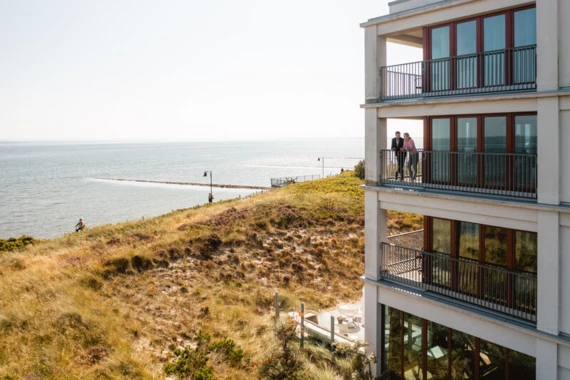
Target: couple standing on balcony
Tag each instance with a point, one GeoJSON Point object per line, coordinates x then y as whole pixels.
{"type": "Point", "coordinates": [401, 147]}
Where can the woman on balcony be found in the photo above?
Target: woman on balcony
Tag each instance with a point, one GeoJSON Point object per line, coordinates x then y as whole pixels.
{"type": "Point", "coordinates": [410, 147]}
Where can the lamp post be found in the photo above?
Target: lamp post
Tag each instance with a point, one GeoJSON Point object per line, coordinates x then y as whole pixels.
{"type": "Point", "coordinates": [211, 196]}
{"type": "Point", "coordinates": [322, 159]}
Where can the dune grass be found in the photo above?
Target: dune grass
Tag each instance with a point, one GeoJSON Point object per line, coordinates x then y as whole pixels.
{"type": "Point", "coordinates": [116, 301]}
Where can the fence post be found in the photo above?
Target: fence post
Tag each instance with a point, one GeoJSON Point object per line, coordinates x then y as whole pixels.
{"type": "Point", "coordinates": [332, 330]}
{"type": "Point", "coordinates": [276, 307]}
{"type": "Point", "coordinates": [302, 324]}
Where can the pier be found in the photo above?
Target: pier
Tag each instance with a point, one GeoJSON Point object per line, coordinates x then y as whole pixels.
{"type": "Point", "coordinates": [190, 184]}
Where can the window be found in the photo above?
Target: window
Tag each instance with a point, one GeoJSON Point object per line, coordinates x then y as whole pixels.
{"type": "Point", "coordinates": [494, 52]}
{"type": "Point", "coordinates": [494, 264]}
{"type": "Point", "coordinates": [416, 348]}
{"type": "Point", "coordinates": [493, 152]}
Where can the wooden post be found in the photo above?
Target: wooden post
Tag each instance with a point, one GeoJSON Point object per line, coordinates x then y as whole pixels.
{"type": "Point", "coordinates": [276, 307]}
{"type": "Point", "coordinates": [302, 324]}
{"type": "Point", "coordinates": [332, 330]}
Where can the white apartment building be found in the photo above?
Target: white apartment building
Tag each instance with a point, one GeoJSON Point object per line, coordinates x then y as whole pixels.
{"type": "Point", "coordinates": [488, 296]}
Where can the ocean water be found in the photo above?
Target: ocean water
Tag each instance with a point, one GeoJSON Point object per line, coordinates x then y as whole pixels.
{"type": "Point", "coordinates": [46, 187]}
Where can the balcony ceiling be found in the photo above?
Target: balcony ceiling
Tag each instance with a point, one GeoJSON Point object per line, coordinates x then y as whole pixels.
{"type": "Point", "coordinates": [412, 37]}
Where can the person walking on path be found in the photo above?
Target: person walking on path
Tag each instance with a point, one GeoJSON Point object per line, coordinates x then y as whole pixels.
{"type": "Point", "coordinates": [80, 226]}
{"type": "Point", "coordinates": [210, 197]}
{"type": "Point", "coordinates": [410, 147]}
{"type": "Point", "coordinates": [397, 145]}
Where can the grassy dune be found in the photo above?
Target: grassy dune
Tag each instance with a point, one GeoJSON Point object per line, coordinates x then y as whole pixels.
{"type": "Point", "coordinates": [115, 301]}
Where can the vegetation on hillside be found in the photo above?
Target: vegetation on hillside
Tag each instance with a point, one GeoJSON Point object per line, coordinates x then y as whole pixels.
{"type": "Point", "coordinates": [15, 244]}
{"type": "Point", "coordinates": [129, 300]}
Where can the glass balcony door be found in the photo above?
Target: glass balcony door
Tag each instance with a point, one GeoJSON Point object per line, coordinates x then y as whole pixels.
{"type": "Point", "coordinates": [494, 44]}
{"type": "Point", "coordinates": [467, 151]}
{"type": "Point", "coordinates": [441, 146]}
{"type": "Point", "coordinates": [525, 143]}
{"type": "Point", "coordinates": [495, 143]}
{"type": "Point", "coordinates": [491, 53]}
{"type": "Point", "coordinates": [440, 67]}
{"type": "Point", "coordinates": [466, 60]}
{"type": "Point", "coordinates": [524, 59]}
{"type": "Point", "coordinates": [440, 267]}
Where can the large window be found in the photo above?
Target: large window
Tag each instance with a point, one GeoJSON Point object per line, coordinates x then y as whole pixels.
{"type": "Point", "coordinates": [495, 264]}
{"type": "Point", "coordinates": [493, 51]}
{"type": "Point", "coordinates": [496, 152]}
{"type": "Point", "coordinates": [415, 348]}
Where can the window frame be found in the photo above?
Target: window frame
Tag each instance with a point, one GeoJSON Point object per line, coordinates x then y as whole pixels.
{"type": "Point", "coordinates": [480, 33]}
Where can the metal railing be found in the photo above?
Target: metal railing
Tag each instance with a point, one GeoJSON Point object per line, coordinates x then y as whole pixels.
{"type": "Point", "coordinates": [283, 181]}
{"type": "Point", "coordinates": [489, 286]}
{"type": "Point", "coordinates": [512, 69]}
{"type": "Point", "coordinates": [504, 174]}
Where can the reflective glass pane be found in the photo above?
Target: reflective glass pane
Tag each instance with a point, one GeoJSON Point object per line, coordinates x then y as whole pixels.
{"type": "Point", "coordinates": [494, 44]}
{"type": "Point", "coordinates": [494, 277]}
{"type": "Point", "coordinates": [469, 257]}
{"type": "Point", "coordinates": [466, 61]}
{"type": "Point", "coordinates": [437, 346]}
{"type": "Point", "coordinates": [413, 366]}
{"type": "Point", "coordinates": [526, 244]}
{"type": "Point", "coordinates": [440, 264]}
{"type": "Point", "coordinates": [525, 285]}
{"type": "Point", "coordinates": [496, 246]}
{"type": "Point", "coordinates": [525, 27]}
{"type": "Point", "coordinates": [521, 366]}
{"type": "Point", "coordinates": [440, 65]}
{"type": "Point", "coordinates": [524, 54]}
{"type": "Point", "coordinates": [441, 236]}
{"type": "Point", "coordinates": [441, 145]}
{"type": "Point", "coordinates": [525, 160]}
{"type": "Point", "coordinates": [526, 134]}
{"type": "Point", "coordinates": [467, 148]}
{"type": "Point", "coordinates": [495, 146]}
{"type": "Point", "coordinates": [392, 342]}
{"type": "Point", "coordinates": [492, 361]}
{"type": "Point", "coordinates": [462, 356]}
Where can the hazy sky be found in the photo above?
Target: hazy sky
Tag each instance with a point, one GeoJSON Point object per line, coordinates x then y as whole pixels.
{"type": "Point", "coordinates": [184, 69]}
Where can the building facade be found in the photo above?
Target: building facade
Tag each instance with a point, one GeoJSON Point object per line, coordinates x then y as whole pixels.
{"type": "Point", "coordinates": [488, 296]}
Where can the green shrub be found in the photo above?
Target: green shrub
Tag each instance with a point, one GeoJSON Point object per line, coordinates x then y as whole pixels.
{"type": "Point", "coordinates": [16, 244]}
{"type": "Point", "coordinates": [283, 363]}
{"type": "Point", "coordinates": [192, 363]}
{"type": "Point", "coordinates": [359, 170]}
{"type": "Point", "coordinates": [360, 362]}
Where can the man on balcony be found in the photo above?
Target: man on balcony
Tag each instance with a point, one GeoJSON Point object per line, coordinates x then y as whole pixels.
{"type": "Point", "coordinates": [397, 145]}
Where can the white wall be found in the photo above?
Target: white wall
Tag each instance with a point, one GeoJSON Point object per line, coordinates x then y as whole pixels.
{"type": "Point", "coordinates": [564, 46]}
{"type": "Point", "coordinates": [564, 277]}
{"type": "Point", "coordinates": [565, 154]}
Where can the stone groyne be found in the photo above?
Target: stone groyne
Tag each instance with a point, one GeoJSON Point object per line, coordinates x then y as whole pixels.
{"type": "Point", "coordinates": [217, 185]}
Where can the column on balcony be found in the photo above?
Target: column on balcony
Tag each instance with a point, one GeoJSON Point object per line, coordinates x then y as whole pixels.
{"type": "Point", "coordinates": [547, 37]}
{"type": "Point", "coordinates": [374, 59]}
{"type": "Point", "coordinates": [376, 224]}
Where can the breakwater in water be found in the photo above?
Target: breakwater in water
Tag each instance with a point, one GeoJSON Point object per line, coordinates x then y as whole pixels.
{"type": "Point", "coordinates": [217, 185]}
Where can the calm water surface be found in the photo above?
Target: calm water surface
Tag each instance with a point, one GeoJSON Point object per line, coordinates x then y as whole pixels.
{"type": "Point", "coordinates": [46, 187]}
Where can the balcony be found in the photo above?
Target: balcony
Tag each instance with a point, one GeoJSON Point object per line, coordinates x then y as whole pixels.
{"type": "Point", "coordinates": [491, 287]}
{"type": "Point", "coordinates": [499, 71]}
{"type": "Point", "coordinates": [511, 175]}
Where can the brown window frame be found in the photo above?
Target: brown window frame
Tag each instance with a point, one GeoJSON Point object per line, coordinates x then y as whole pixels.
{"type": "Point", "coordinates": [424, 326]}
{"type": "Point", "coordinates": [509, 44]}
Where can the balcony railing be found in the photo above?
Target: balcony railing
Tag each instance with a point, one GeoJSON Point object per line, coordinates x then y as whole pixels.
{"type": "Point", "coordinates": [500, 174]}
{"type": "Point", "coordinates": [488, 286]}
{"type": "Point", "coordinates": [503, 70]}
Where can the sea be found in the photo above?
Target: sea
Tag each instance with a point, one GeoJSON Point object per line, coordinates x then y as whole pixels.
{"type": "Point", "coordinates": [46, 187]}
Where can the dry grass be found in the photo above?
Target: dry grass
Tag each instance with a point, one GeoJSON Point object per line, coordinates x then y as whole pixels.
{"type": "Point", "coordinates": [114, 301]}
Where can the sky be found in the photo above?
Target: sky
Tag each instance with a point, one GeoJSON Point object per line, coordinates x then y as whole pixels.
{"type": "Point", "coordinates": [184, 70]}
